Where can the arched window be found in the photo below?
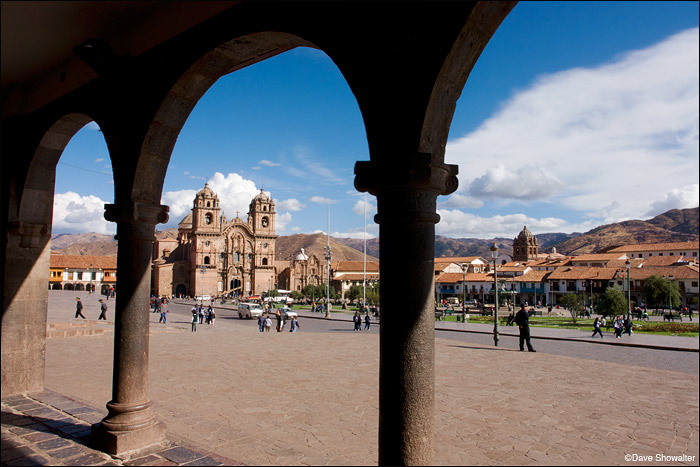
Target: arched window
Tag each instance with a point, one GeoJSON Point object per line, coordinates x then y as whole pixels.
{"type": "Point", "coordinates": [236, 257]}
{"type": "Point", "coordinates": [208, 218]}
{"type": "Point", "coordinates": [206, 260]}
{"type": "Point", "coordinates": [208, 204]}
{"type": "Point", "coordinates": [264, 261]}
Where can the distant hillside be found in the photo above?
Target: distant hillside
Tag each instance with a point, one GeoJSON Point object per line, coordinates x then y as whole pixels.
{"type": "Point", "coordinates": [84, 244]}
{"type": "Point", "coordinates": [313, 245]}
{"type": "Point", "coordinates": [677, 225]}
{"type": "Point", "coordinates": [672, 226]}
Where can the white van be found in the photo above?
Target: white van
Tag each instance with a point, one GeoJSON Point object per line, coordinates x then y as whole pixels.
{"type": "Point", "coordinates": [249, 310]}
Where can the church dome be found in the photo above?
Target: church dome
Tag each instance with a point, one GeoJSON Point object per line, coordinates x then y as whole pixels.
{"type": "Point", "coordinates": [262, 196]}
{"type": "Point", "coordinates": [301, 256]}
{"type": "Point", "coordinates": [206, 192]}
{"type": "Point", "coordinates": [525, 234]}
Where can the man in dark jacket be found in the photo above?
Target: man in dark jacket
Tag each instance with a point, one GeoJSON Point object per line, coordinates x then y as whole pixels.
{"type": "Point", "coordinates": [79, 308]}
{"type": "Point", "coordinates": [522, 319]}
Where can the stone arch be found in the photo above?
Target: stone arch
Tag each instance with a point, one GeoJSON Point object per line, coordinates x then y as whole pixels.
{"type": "Point", "coordinates": [191, 85]}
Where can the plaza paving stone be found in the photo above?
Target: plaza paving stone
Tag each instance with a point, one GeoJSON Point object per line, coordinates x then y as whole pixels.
{"type": "Point", "coordinates": [233, 396]}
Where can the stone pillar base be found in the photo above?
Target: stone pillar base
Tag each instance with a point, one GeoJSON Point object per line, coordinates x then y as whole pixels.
{"type": "Point", "coordinates": [124, 444]}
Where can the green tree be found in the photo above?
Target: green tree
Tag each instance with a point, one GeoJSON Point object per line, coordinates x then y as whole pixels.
{"type": "Point", "coordinates": [296, 295]}
{"type": "Point", "coordinates": [612, 303]}
{"type": "Point", "coordinates": [572, 302]}
{"type": "Point", "coordinates": [354, 293]}
{"type": "Point", "coordinates": [656, 292]}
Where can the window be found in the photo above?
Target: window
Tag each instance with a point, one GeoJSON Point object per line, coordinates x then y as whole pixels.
{"type": "Point", "coordinates": [208, 218]}
{"type": "Point", "coordinates": [236, 257]}
{"type": "Point", "coordinates": [264, 261]}
{"type": "Point", "coordinates": [264, 221]}
{"type": "Point", "coordinates": [206, 260]}
{"type": "Point", "coordinates": [694, 284]}
{"type": "Point", "coordinates": [79, 276]}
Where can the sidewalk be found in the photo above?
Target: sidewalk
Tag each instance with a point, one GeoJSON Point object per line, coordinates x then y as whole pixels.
{"type": "Point", "coordinates": [229, 394]}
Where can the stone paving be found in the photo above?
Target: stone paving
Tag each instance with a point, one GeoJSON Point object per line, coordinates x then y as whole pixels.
{"type": "Point", "coordinates": [229, 394]}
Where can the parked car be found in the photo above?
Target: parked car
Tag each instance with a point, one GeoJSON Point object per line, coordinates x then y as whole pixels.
{"type": "Point", "coordinates": [204, 298]}
{"type": "Point", "coordinates": [249, 310]}
{"type": "Point", "coordinates": [472, 302]}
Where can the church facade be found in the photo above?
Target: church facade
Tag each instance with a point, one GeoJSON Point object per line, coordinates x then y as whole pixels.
{"type": "Point", "coordinates": [213, 256]}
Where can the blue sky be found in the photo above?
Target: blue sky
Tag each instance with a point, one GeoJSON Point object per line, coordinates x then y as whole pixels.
{"type": "Point", "coordinates": [577, 114]}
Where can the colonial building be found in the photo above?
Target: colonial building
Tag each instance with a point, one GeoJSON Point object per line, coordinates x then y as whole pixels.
{"type": "Point", "coordinates": [300, 271]}
{"type": "Point", "coordinates": [214, 257]}
{"type": "Point", "coordinates": [83, 272]}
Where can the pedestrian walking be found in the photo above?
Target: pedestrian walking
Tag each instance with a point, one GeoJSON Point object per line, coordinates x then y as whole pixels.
{"type": "Point", "coordinates": [212, 317]}
{"type": "Point", "coordinates": [163, 314]}
{"type": "Point", "coordinates": [79, 308]}
{"type": "Point", "coordinates": [261, 323]}
{"type": "Point", "coordinates": [294, 325]}
{"type": "Point", "coordinates": [201, 314]}
{"type": "Point", "coordinates": [278, 315]}
{"type": "Point", "coordinates": [268, 324]}
{"type": "Point", "coordinates": [617, 325]}
{"type": "Point", "coordinates": [628, 326]}
{"type": "Point", "coordinates": [596, 328]}
{"type": "Point", "coordinates": [103, 311]}
{"type": "Point", "coordinates": [195, 312]}
{"type": "Point", "coordinates": [522, 319]}
{"type": "Point", "coordinates": [368, 321]}
{"type": "Point", "coordinates": [358, 322]}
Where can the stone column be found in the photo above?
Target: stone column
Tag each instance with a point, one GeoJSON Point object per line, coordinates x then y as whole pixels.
{"type": "Point", "coordinates": [406, 200]}
{"type": "Point", "coordinates": [130, 425]}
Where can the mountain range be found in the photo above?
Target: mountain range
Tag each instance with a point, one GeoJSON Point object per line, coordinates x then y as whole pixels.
{"type": "Point", "coordinates": [676, 225]}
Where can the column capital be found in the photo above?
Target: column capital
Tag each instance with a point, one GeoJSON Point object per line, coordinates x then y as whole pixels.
{"type": "Point", "coordinates": [135, 211]}
{"type": "Point", "coordinates": [419, 171]}
{"type": "Point", "coordinates": [31, 234]}
{"type": "Point", "coordinates": [407, 188]}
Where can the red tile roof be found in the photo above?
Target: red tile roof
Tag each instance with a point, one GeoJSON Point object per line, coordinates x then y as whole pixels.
{"type": "Point", "coordinates": [598, 257]}
{"type": "Point", "coordinates": [354, 266]}
{"type": "Point", "coordinates": [454, 277]}
{"type": "Point", "coordinates": [82, 262]}
{"type": "Point", "coordinates": [676, 246]}
{"type": "Point", "coordinates": [578, 272]}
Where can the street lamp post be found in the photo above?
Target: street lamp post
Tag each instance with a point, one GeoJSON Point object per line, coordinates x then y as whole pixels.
{"type": "Point", "coordinates": [327, 255]}
{"type": "Point", "coordinates": [670, 302]}
{"type": "Point", "coordinates": [629, 299]}
{"type": "Point", "coordinates": [494, 255]}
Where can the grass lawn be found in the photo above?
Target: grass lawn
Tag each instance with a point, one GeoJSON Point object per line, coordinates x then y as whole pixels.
{"type": "Point", "coordinates": [645, 327]}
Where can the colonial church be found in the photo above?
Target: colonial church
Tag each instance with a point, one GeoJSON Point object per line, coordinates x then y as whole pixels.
{"type": "Point", "coordinates": [211, 256]}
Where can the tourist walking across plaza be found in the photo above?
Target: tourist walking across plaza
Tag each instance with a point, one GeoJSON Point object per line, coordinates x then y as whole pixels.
{"type": "Point", "coordinates": [368, 321]}
{"type": "Point", "coordinates": [261, 322]}
{"type": "Point", "coordinates": [596, 328]}
{"type": "Point", "coordinates": [103, 310]}
{"type": "Point", "coordinates": [522, 319]}
{"type": "Point", "coordinates": [79, 308]}
{"type": "Point", "coordinates": [195, 313]}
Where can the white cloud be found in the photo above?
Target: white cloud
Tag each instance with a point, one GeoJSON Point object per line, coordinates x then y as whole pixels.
{"type": "Point", "coordinates": [319, 199]}
{"type": "Point", "coordinates": [525, 183]}
{"type": "Point", "coordinates": [291, 204]}
{"type": "Point", "coordinates": [234, 192]}
{"type": "Point", "coordinates": [458, 224]}
{"type": "Point", "coordinates": [625, 131]}
{"type": "Point", "coordinates": [677, 198]}
{"type": "Point", "coordinates": [353, 233]}
{"type": "Point", "coordinates": [281, 222]}
{"type": "Point", "coordinates": [360, 207]}
{"type": "Point", "coordinates": [269, 163]}
{"type": "Point", "coordinates": [99, 159]}
{"type": "Point", "coordinates": [73, 213]}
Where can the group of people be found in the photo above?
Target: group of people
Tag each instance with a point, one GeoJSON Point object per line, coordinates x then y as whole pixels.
{"type": "Point", "coordinates": [621, 325]}
{"type": "Point", "coordinates": [200, 315]}
{"type": "Point", "coordinates": [357, 319]}
{"type": "Point", "coordinates": [265, 323]}
{"type": "Point", "coordinates": [79, 309]}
